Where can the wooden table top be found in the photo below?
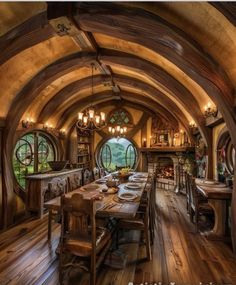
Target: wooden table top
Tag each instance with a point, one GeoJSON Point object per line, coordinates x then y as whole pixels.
{"type": "Point", "coordinates": [217, 191]}
{"type": "Point", "coordinates": [110, 204]}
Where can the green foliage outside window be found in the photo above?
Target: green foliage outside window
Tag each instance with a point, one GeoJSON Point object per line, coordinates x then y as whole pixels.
{"type": "Point", "coordinates": [117, 152]}
{"type": "Point", "coordinates": [29, 149]}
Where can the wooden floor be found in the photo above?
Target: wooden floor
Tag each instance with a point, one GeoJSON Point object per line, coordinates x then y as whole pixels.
{"type": "Point", "coordinates": [179, 255]}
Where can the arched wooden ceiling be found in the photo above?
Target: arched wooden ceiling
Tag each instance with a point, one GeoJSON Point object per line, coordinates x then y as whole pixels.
{"type": "Point", "coordinates": [174, 54]}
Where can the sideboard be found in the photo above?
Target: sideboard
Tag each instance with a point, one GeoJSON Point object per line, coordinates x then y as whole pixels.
{"type": "Point", "coordinates": [37, 185]}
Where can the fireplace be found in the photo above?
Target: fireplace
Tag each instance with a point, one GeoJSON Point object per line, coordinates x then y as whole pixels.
{"type": "Point", "coordinates": [165, 168]}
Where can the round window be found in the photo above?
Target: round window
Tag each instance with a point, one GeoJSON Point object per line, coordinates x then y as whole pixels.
{"type": "Point", "coordinates": [117, 153]}
{"type": "Point", "coordinates": [31, 155]}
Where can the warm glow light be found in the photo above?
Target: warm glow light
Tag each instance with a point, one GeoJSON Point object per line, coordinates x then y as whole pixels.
{"type": "Point", "coordinates": [80, 116]}
{"type": "Point", "coordinates": [118, 128]}
{"type": "Point", "coordinates": [51, 126]}
{"type": "Point", "coordinates": [27, 119]}
{"type": "Point", "coordinates": [46, 124]}
{"type": "Point", "coordinates": [125, 129]}
{"type": "Point", "coordinates": [85, 119]}
{"type": "Point", "coordinates": [103, 116]}
{"type": "Point", "coordinates": [109, 129]}
{"type": "Point", "coordinates": [113, 130]}
{"type": "Point", "coordinates": [181, 131]}
{"type": "Point", "coordinates": [121, 130]}
{"type": "Point", "coordinates": [144, 140]}
{"type": "Point", "coordinates": [150, 137]}
{"type": "Point", "coordinates": [209, 105]}
{"type": "Point", "coordinates": [97, 119]}
{"type": "Point", "coordinates": [31, 120]}
{"type": "Point", "coordinates": [91, 113]}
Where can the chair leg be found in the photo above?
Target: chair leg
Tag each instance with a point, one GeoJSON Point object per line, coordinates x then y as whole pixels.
{"type": "Point", "coordinates": [148, 247]}
{"type": "Point", "coordinates": [49, 224]}
{"type": "Point", "coordinates": [93, 270]}
{"type": "Point", "coordinates": [191, 215]}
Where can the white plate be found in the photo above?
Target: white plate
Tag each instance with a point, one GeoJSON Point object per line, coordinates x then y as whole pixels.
{"type": "Point", "coordinates": [210, 182]}
{"type": "Point", "coordinates": [127, 196]}
{"type": "Point", "coordinates": [133, 186]}
{"type": "Point", "coordinates": [101, 181]}
{"type": "Point", "coordinates": [139, 176]}
{"type": "Point", "coordinates": [90, 187]}
{"type": "Point", "coordinates": [137, 180]}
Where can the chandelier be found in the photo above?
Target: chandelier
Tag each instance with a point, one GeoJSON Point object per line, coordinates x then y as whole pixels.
{"type": "Point", "coordinates": [90, 120]}
{"type": "Point", "coordinates": [117, 130]}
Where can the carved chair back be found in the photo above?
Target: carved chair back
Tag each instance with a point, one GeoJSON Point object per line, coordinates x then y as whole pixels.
{"type": "Point", "coordinates": [87, 176]}
{"type": "Point", "coordinates": [78, 218]}
{"type": "Point", "coordinates": [74, 181]}
{"type": "Point", "coordinates": [96, 173]}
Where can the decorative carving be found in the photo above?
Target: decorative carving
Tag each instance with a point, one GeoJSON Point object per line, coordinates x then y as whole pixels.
{"type": "Point", "coordinates": [57, 187]}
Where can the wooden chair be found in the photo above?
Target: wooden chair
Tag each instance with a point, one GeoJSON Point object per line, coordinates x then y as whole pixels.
{"type": "Point", "coordinates": [151, 188]}
{"type": "Point", "coordinates": [187, 187]}
{"type": "Point", "coordinates": [80, 238]}
{"type": "Point", "coordinates": [198, 204]}
{"type": "Point", "coordinates": [140, 222]}
{"type": "Point", "coordinates": [96, 173]}
{"type": "Point", "coordinates": [103, 172]}
{"type": "Point", "coordinates": [57, 187]}
{"type": "Point", "coordinates": [87, 176]}
{"type": "Point", "coordinates": [74, 181]}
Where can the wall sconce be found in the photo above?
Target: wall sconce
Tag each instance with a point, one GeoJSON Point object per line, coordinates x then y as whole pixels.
{"type": "Point", "coordinates": [48, 126]}
{"type": "Point", "coordinates": [151, 141]}
{"type": "Point", "coordinates": [210, 111]}
{"type": "Point", "coordinates": [144, 142]}
{"type": "Point", "coordinates": [62, 133]}
{"type": "Point", "coordinates": [29, 122]}
{"type": "Point", "coordinates": [192, 125]}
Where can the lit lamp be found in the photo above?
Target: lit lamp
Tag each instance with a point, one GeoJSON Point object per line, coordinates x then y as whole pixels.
{"type": "Point", "coordinates": [150, 140]}
{"type": "Point", "coordinates": [192, 124]}
{"type": "Point", "coordinates": [27, 123]}
{"type": "Point", "coordinates": [89, 120]}
{"type": "Point", "coordinates": [144, 142]}
{"type": "Point", "coordinates": [117, 130]}
{"type": "Point", "coordinates": [210, 111]}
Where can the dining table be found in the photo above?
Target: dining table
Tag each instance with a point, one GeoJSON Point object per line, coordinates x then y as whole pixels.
{"type": "Point", "coordinates": [117, 202]}
{"type": "Point", "coordinates": [217, 194]}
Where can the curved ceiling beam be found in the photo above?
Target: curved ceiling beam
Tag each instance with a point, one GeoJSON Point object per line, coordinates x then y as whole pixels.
{"type": "Point", "coordinates": [154, 73]}
{"type": "Point", "coordinates": [29, 33]}
{"type": "Point", "coordinates": [69, 119]}
{"type": "Point", "coordinates": [158, 36]}
{"type": "Point", "coordinates": [69, 91]}
{"type": "Point", "coordinates": [139, 100]}
{"type": "Point", "coordinates": [68, 94]}
{"type": "Point", "coordinates": [70, 113]}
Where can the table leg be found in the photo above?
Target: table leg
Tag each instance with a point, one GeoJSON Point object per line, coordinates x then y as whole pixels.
{"type": "Point", "coordinates": [49, 224]}
{"type": "Point", "coordinates": [219, 208]}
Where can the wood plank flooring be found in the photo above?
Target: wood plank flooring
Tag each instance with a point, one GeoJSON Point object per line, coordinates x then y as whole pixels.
{"type": "Point", "coordinates": [179, 254]}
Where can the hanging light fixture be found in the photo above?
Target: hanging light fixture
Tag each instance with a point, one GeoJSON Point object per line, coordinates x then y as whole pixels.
{"type": "Point", "coordinates": [117, 131]}
{"type": "Point", "coordinates": [89, 120]}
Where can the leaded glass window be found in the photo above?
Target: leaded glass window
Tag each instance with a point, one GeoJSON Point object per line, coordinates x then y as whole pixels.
{"type": "Point", "coordinates": [119, 117]}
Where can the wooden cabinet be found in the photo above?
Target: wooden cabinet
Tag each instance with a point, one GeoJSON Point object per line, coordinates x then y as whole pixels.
{"type": "Point", "coordinates": [84, 152]}
{"type": "Point", "coordinates": [37, 186]}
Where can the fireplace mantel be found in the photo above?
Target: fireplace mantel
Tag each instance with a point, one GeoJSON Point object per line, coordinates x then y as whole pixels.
{"type": "Point", "coordinates": [168, 149]}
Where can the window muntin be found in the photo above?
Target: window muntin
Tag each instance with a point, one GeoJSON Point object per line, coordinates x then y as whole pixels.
{"type": "Point", "coordinates": [119, 117]}
{"type": "Point", "coordinates": [117, 152]}
{"type": "Point", "coordinates": [31, 155]}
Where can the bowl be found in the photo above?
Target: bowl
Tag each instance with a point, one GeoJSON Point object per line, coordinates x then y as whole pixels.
{"type": "Point", "coordinates": [112, 183]}
{"type": "Point", "coordinates": [57, 165]}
